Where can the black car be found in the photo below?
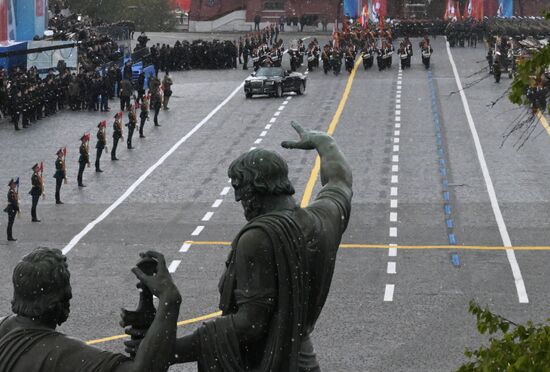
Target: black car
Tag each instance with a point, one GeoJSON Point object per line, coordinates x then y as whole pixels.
{"type": "Point", "coordinates": [274, 81]}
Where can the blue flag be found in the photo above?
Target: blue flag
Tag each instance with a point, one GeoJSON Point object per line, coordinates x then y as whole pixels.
{"type": "Point", "coordinates": [351, 8]}
{"type": "Point", "coordinates": [505, 8]}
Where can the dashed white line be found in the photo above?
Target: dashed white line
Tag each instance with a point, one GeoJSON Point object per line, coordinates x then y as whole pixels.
{"type": "Point", "coordinates": [395, 168]}
{"type": "Point", "coordinates": [397, 112]}
{"type": "Point", "coordinates": [393, 232]}
{"type": "Point", "coordinates": [392, 252]}
{"type": "Point", "coordinates": [217, 203]}
{"type": "Point", "coordinates": [397, 133]}
{"type": "Point", "coordinates": [398, 95]}
{"type": "Point", "coordinates": [395, 158]}
{"type": "Point", "coordinates": [396, 140]}
{"type": "Point", "coordinates": [273, 120]}
{"type": "Point", "coordinates": [397, 125]}
{"type": "Point", "coordinates": [225, 190]}
{"type": "Point", "coordinates": [393, 216]}
{"type": "Point", "coordinates": [258, 141]}
{"type": "Point", "coordinates": [263, 133]}
{"type": "Point", "coordinates": [281, 108]}
{"type": "Point", "coordinates": [397, 101]}
{"type": "Point", "coordinates": [197, 230]}
{"type": "Point", "coordinates": [395, 179]}
{"type": "Point", "coordinates": [185, 247]}
{"type": "Point", "coordinates": [207, 216]}
{"type": "Point", "coordinates": [268, 126]}
{"type": "Point", "coordinates": [285, 102]}
{"type": "Point", "coordinates": [391, 268]}
{"type": "Point", "coordinates": [393, 191]}
{"type": "Point", "coordinates": [277, 113]}
{"type": "Point", "coordinates": [388, 294]}
{"type": "Point", "coordinates": [398, 106]}
{"type": "Point", "coordinates": [395, 148]}
{"type": "Point", "coordinates": [398, 118]}
{"type": "Point", "coordinates": [393, 203]}
{"type": "Point", "coordinates": [173, 266]}
{"type": "Point", "coordinates": [252, 148]}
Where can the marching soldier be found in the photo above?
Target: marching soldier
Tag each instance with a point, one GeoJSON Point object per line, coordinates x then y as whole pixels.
{"type": "Point", "coordinates": [101, 144]}
{"type": "Point", "coordinates": [144, 114]}
{"type": "Point", "coordinates": [60, 174]}
{"type": "Point", "coordinates": [13, 207]}
{"type": "Point", "coordinates": [37, 189]}
{"type": "Point", "coordinates": [84, 158]}
{"type": "Point", "coordinates": [117, 134]}
{"type": "Point", "coordinates": [167, 88]}
{"type": "Point", "coordinates": [132, 123]}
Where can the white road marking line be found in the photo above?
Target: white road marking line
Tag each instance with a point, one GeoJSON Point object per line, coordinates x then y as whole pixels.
{"type": "Point", "coordinates": [173, 266]}
{"type": "Point", "coordinates": [398, 118]}
{"type": "Point", "coordinates": [388, 294]}
{"type": "Point", "coordinates": [263, 133]}
{"type": "Point", "coordinates": [395, 158]}
{"type": "Point", "coordinates": [391, 268]}
{"type": "Point", "coordinates": [398, 95]}
{"type": "Point", "coordinates": [397, 112]}
{"type": "Point", "coordinates": [395, 148]}
{"type": "Point", "coordinates": [207, 216]}
{"type": "Point", "coordinates": [393, 203]}
{"type": "Point", "coordinates": [217, 203]}
{"type": "Point", "coordinates": [398, 106]}
{"type": "Point", "coordinates": [393, 191]}
{"type": "Point", "coordinates": [268, 126]}
{"type": "Point", "coordinates": [252, 148]}
{"type": "Point", "coordinates": [392, 252]}
{"type": "Point", "coordinates": [288, 98]}
{"type": "Point", "coordinates": [273, 120]}
{"type": "Point", "coordinates": [225, 190]}
{"type": "Point", "coordinates": [397, 125]}
{"type": "Point", "coordinates": [185, 247]}
{"type": "Point", "coordinates": [397, 101]}
{"type": "Point", "coordinates": [394, 179]}
{"type": "Point", "coordinates": [393, 232]}
{"type": "Point", "coordinates": [285, 102]}
{"type": "Point", "coordinates": [393, 216]}
{"type": "Point", "coordinates": [277, 113]}
{"type": "Point", "coordinates": [397, 133]}
{"type": "Point", "coordinates": [396, 140]}
{"type": "Point", "coordinates": [197, 230]}
{"type": "Point", "coordinates": [74, 241]}
{"type": "Point", "coordinates": [395, 168]}
{"type": "Point", "coordinates": [518, 279]}
{"type": "Point", "coordinates": [258, 141]}
{"type": "Point", "coordinates": [281, 108]}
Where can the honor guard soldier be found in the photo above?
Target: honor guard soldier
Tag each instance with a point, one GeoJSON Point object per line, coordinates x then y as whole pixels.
{"type": "Point", "coordinates": [101, 143]}
{"type": "Point", "coordinates": [84, 158]}
{"type": "Point", "coordinates": [117, 134]}
{"type": "Point", "coordinates": [132, 123]}
{"type": "Point", "coordinates": [37, 189]}
{"type": "Point", "coordinates": [60, 173]}
{"type": "Point", "coordinates": [13, 206]}
{"type": "Point", "coordinates": [144, 114]}
{"type": "Point", "coordinates": [167, 89]}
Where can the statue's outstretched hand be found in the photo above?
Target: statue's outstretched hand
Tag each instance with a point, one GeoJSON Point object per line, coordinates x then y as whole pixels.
{"type": "Point", "coordinates": [309, 139]}
{"type": "Point", "coordinates": [160, 283]}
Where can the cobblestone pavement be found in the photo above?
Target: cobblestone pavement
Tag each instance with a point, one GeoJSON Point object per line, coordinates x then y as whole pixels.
{"type": "Point", "coordinates": [416, 167]}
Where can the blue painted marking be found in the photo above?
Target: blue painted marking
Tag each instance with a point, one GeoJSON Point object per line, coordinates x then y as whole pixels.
{"type": "Point", "coordinates": [445, 184]}
{"type": "Point", "coordinates": [442, 162]}
{"type": "Point", "coordinates": [443, 172]}
{"type": "Point", "coordinates": [440, 152]}
{"type": "Point", "coordinates": [449, 223]}
{"type": "Point", "coordinates": [455, 259]}
{"type": "Point", "coordinates": [446, 195]}
{"type": "Point", "coordinates": [447, 209]}
{"type": "Point", "coordinates": [438, 141]}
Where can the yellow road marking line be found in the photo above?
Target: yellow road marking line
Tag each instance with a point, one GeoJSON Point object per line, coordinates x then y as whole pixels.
{"type": "Point", "coordinates": [417, 247]}
{"type": "Point", "coordinates": [181, 323]}
{"type": "Point", "coordinates": [331, 128]}
{"type": "Point", "coordinates": [543, 121]}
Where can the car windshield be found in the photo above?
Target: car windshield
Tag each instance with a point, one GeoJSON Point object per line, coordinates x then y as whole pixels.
{"type": "Point", "coordinates": [269, 71]}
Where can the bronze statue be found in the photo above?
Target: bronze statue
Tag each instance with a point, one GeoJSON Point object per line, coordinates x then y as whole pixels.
{"type": "Point", "coordinates": [42, 293]}
{"type": "Point", "coordinates": [280, 267]}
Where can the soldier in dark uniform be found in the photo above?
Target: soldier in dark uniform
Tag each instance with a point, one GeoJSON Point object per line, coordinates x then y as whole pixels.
{"type": "Point", "coordinates": [12, 209]}
{"type": "Point", "coordinates": [101, 144]}
{"type": "Point", "coordinates": [37, 190]}
{"type": "Point", "coordinates": [143, 115]}
{"type": "Point", "coordinates": [132, 123]}
{"type": "Point", "coordinates": [167, 89]}
{"type": "Point", "coordinates": [60, 174]}
{"type": "Point", "coordinates": [140, 86]}
{"type": "Point", "coordinates": [84, 158]}
{"type": "Point", "coordinates": [117, 134]}
{"type": "Point", "coordinates": [126, 91]}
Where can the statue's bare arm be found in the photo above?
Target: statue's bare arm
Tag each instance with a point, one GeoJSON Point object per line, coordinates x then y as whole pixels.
{"type": "Point", "coordinates": [335, 170]}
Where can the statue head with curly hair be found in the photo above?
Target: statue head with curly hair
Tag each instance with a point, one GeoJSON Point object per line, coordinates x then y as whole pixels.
{"type": "Point", "coordinates": [42, 288]}
{"type": "Point", "coordinates": [258, 178]}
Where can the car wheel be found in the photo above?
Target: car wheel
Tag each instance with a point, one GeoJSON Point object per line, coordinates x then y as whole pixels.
{"type": "Point", "coordinates": [301, 89]}
{"type": "Point", "coordinates": [279, 91]}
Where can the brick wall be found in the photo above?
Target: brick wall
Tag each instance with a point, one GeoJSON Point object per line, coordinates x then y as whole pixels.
{"type": "Point", "coordinates": [531, 7]}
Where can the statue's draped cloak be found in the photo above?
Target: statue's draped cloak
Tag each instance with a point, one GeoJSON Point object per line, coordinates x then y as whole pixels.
{"type": "Point", "coordinates": [45, 350]}
{"type": "Point", "coordinates": [304, 244]}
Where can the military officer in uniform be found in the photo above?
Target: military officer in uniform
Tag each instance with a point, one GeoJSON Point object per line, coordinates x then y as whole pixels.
{"type": "Point", "coordinates": [12, 209]}
{"type": "Point", "coordinates": [60, 174]}
{"type": "Point", "coordinates": [167, 88]}
{"type": "Point", "coordinates": [117, 134]}
{"type": "Point", "coordinates": [84, 158]}
{"type": "Point", "coordinates": [101, 144]}
{"type": "Point", "coordinates": [37, 190]}
{"type": "Point", "coordinates": [132, 123]}
{"type": "Point", "coordinates": [144, 114]}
